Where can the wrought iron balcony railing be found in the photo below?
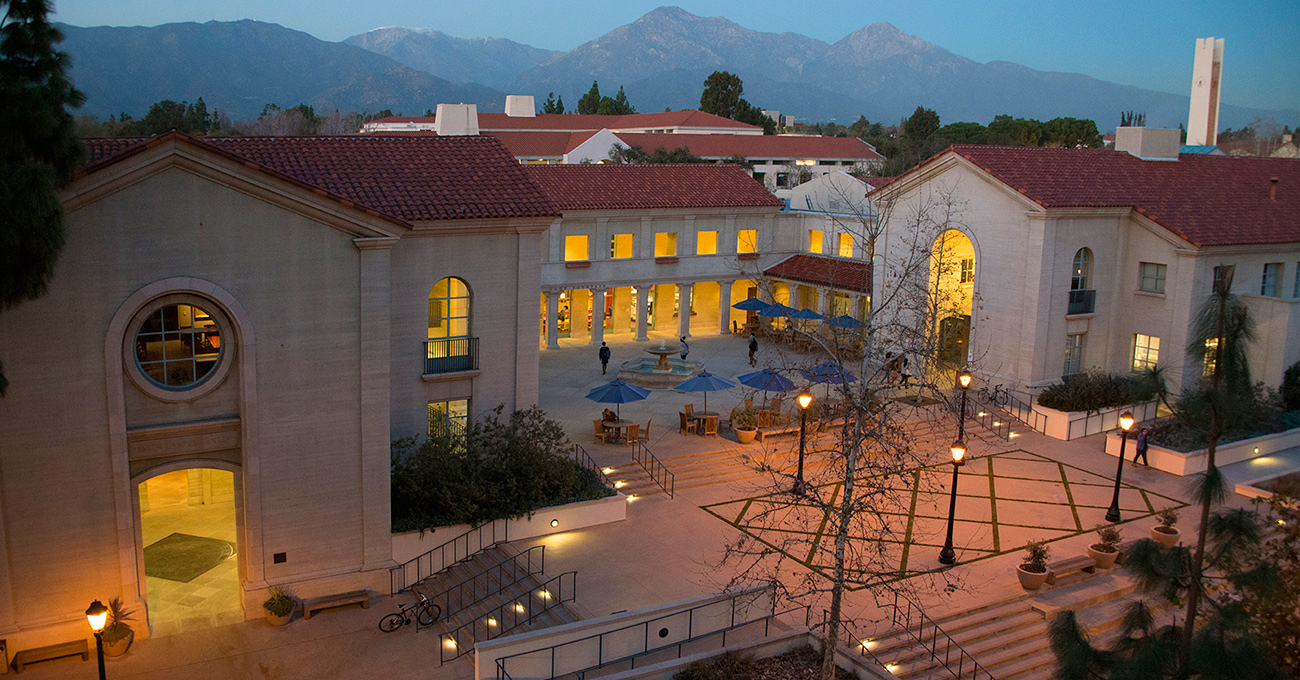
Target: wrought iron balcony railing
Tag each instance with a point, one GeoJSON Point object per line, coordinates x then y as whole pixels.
{"type": "Point", "coordinates": [1083, 302]}
{"type": "Point", "coordinates": [450, 355]}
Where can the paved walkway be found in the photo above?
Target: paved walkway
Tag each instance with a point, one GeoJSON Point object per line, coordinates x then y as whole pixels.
{"type": "Point", "coordinates": [670, 548]}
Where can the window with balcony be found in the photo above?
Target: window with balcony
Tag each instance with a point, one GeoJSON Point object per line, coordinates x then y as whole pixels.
{"type": "Point", "coordinates": [1146, 351]}
{"type": "Point", "coordinates": [814, 240]}
{"type": "Point", "coordinates": [575, 249]}
{"type": "Point", "coordinates": [1083, 299]}
{"type": "Point", "coordinates": [450, 347]}
{"type": "Point", "coordinates": [666, 244]}
{"type": "Point", "coordinates": [706, 243]}
{"type": "Point", "coordinates": [747, 241]}
{"type": "Point", "coordinates": [1271, 286]}
{"type": "Point", "coordinates": [449, 417]}
{"type": "Point", "coordinates": [621, 246]}
{"type": "Point", "coordinates": [1151, 277]}
{"type": "Point", "coordinates": [845, 246]}
{"type": "Point", "coordinates": [1073, 353]}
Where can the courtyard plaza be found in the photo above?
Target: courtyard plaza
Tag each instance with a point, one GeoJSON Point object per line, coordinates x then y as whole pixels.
{"type": "Point", "coordinates": [669, 548]}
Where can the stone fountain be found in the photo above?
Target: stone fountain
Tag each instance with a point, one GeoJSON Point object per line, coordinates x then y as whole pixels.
{"type": "Point", "coordinates": [661, 373]}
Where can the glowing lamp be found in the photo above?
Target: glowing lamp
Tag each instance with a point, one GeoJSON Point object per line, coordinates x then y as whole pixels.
{"type": "Point", "coordinates": [958, 451]}
{"type": "Point", "coordinates": [555, 523]}
{"type": "Point", "coordinates": [1126, 420]}
{"type": "Point", "coordinates": [97, 615]}
{"type": "Point", "coordinates": [964, 379]}
{"type": "Point", "coordinates": [804, 400]}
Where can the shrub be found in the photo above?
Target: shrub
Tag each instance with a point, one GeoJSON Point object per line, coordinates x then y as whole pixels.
{"type": "Point", "coordinates": [1108, 538]}
{"type": "Point", "coordinates": [743, 419]}
{"type": "Point", "coordinates": [117, 627]}
{"type": "Point", "coordinates": [1256, 411]}
{"type": "Point", "coordinates": [1167, 518]}
{"type": "Point", "coordinates": [1096, 390]}
{"type": "Point", "coordinates": [725, 666]}
{"type": "Point", "coordinates": [280, 602]}
{"type": "Point", "coordinates": [494, 470]}
{"type": "Point", "coordinates": [1291, 388]}
{"type": "Point", "coordinates": [1036, 557]}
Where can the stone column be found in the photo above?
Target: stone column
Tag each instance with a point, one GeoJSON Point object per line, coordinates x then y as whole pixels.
{"type": "Point", "coordinates": [597, 315]}
{"type": "Point", "coordinates": [684, 310]}
{"type": "Point", "coordinates": [552, 319]}
{"type": "Point", "coordinates": [375, 392]}
{"type": "Point", "coordinates": [827, 301]}
{"type": "Point", "coordinates": [724, 307]}
{"type": "Point", "coordinates": [640, 312]}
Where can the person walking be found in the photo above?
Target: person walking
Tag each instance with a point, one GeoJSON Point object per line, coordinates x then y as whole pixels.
{"type": "Point", "coordinates": [904, 370]}
{"type": "Point", "coordinates": [604, 357]}
{"type": "Point", "coordinates": [753, 349]}
{"type": "Point", "coordinates": [686, 349]}
{"type": "Point", "coordinates": [1140, 451]}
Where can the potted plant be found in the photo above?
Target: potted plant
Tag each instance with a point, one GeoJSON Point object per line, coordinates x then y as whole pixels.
{"type": "Point", "coordinates": [744, 422]}
{"type": "Point", "coordinates": [1165, 533]}
{"type": "Point", "coordinates": [1033, 572]}
{"type": "Point", "coordinates": [279, 606]}
{"type": "Point", "coordinates": [1106, 549]}
{"type": "Point", "coordinates": [118, 634]}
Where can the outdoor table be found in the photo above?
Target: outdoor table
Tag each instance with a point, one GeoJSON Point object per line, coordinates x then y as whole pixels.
{"type": "Point", "coordinates": [616, 426]}
{"type": "Point", "coordinates": [699, 417]}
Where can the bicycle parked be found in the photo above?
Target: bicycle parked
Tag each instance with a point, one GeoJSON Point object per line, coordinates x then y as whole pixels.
{"type": "Point", "coordinates": [425, 612]}
{"type": "Point", "coordinates": [999, 395]}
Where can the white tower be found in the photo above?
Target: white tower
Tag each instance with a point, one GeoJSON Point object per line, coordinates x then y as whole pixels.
{"type": "Point", "coordinates": [1203, 120]}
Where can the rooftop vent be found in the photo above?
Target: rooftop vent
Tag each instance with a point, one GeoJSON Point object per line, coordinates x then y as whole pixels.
{"type": "Point", "coordinates": [1149, 144]}
{"type": "Point", "coordinates": [456, 120]}
{"type": "Point", "coordinates": [520, 106]}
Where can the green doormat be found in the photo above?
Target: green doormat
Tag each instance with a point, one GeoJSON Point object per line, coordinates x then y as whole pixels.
{"type": "Point", "coordinates": [182, 557]}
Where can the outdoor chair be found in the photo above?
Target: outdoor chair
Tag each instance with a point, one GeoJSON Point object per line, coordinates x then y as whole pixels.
{"type": "Point", "coordinates": [749, 403]}
{"type": "Point", "coordinates": [645, 434]}
{"type": "Point", "coordinates": [688, 425]}
{"type": "Point", "coordinates": [710, 425]}
{"type": "Point", "coordinates": [633, 433]}
{"type": "Point", "coordinates": [600, 433]}
{"type": "Point", "coordinates": [690, 410]}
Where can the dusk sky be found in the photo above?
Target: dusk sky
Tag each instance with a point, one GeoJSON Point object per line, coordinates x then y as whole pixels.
{"type": "Point", "coordinates": [1147, 44]}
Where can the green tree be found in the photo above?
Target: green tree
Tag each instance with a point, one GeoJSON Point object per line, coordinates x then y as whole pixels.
{"type": "Point", "coordinates": [919, 126]}
{"type": "Point", "coordinates": [621, 106]}
{"type": "Point", "coordinates": [1016, 131]}
{"type": "Point", "coordinates": [39, 151]}
{"type": "Point", "coordinates": [553, 105]}
{"type": "Point", "coordinates": [1071, 133]}
{"type": "Point", "coordinates": [721, 95]}
{"type": "Point", "coordinates": [963, 133]}
{"type": "Point", "coordinates": [590, 102]}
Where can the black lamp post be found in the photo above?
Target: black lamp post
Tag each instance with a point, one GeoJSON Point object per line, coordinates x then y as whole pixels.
{"type": "Point", "coordinates": [804, 400]}
{"type": "Point", "coordinates": [963, 379]}
{"type": "Point", "coordinates": [97, 615]}
{"type": "Point", "coordinates": [1125, 423]}
{"type": "Point", "coordinates": [948, 555]}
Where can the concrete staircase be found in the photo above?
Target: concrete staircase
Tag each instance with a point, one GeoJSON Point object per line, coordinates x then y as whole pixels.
{"type": "Point", "coordinates": [1009, 639]}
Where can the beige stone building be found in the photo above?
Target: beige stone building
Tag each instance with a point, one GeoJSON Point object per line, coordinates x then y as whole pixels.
{"type": "Point", "coordinates": [202, 405]}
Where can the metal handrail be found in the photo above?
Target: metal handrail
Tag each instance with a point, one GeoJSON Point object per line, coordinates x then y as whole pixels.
{"type": "Point", "coordinates": [584, 459]}
{"type": "Point", "coordinates": [503, 576]}
{"type": "Point", "coordinates": [964, 660]}
{"type": "Point", "coordinates": [502, 674]}
{"type": "Point", "coordinates": [449, 355]}
{"type": "Point", "coordinates": [850, 634]}
{"type": "Point", "coordinates": [653, 467]}
{"type": "Point", "coordinates": [460, 549]}
{"type": "Point", "coordinates": [507, 617]}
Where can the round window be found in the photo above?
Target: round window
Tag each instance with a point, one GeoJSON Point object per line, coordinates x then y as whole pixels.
{"type": "Point", "coordinates": [178, 346]}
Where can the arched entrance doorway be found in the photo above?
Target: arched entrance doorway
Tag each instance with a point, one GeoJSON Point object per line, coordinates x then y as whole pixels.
{"type": "Point", "coordinates": [189, 545]}
{"type": "Point", "coordinates": [953, 277]}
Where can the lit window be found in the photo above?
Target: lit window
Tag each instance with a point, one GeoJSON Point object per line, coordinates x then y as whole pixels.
{"type": "Point", "coordinates": [1272, 284]}
{"type": "Point", "coordinates": [1082, 270]}
{"type": "Point", "coordinates": [747, 241]}
{"type": "Point", "coordinates": [706, 243]}
{"type": "Point", "coordinates": [814, 240]}
{"type": "Point", "coordinates": [1146, 351]}
{"type": "Point", "coordinates": [845, 248]}
{"type": "Point", "coordinates": [449, 309]}
{"type": "Point", "coordinates": [1152, 277]}
{"type": "Point", "coordinates": [178, 346]}
{"type": "Point", "coordinates": [449, 417]}
{"type": "Point", "coordinates": [575, 248]}
{"type": "Point", "coordinates": [1073, 353]}
{"type": "Point", "coordinates": [1211, 357]}
{"type": "Point", "coordinates": [666, 244]}
{"type": "Point", "coordinates": [968, 270]}
{"type": "Point", "coordinates": [620, 246]}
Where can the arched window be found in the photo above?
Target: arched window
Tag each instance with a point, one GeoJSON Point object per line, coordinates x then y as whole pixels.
{"type": "Point", "coordinates": [449, 310]}
{"type": "Point", "coordinates": [1082, 270]}
{"type": "Point", "coordinates": [451, 345]}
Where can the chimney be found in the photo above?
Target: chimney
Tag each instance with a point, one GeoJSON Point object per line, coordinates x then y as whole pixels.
{"type": "Point", "coordinates": [1149, 144]}
{"type": "Point", "coordinates": [456, 120]}
{"type": "Point", "coordinates": [520, 106]}
{"type": "Point", "coordinates": [1272, 189]}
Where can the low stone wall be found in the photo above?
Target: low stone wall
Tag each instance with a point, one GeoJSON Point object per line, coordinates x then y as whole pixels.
{"type": "Point", "coordinates": [1067, 425]}
{"type": "Point", "coordinates": [411, 544]}
{"type": "Point", "coordinates": [1191, 463]}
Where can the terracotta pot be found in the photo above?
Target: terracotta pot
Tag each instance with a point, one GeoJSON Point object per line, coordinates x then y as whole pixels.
{"type": "Point", "coordinates": [1030, 580]}
{"type": "Point", "coordinates": [1167, 538]}
{"type": "Point", "coordinates": [1103, 558]}
{"type": "Point", "coordinates": [119, 647]}
{"type": "Point", "coordinates": [278, 620]}
{"type": "Point", "coordinates": [746, 436]}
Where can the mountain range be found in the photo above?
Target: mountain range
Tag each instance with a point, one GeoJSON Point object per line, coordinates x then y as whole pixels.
{"type": "Point", "coordinates": [661, 61]}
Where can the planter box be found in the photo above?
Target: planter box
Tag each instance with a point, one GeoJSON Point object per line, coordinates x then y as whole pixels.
{"type": "Point", "coordinates": [1191, 463]}
{"type": "Point", "coordinates": [411, 544]}
{"type": "Point", "coordinates": [1067, 425]}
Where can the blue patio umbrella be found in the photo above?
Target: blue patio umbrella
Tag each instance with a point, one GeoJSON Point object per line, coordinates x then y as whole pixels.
{"type": "Point", "coordinates": [767, 380]}
{"type": "Point", "coordinates": [705, 382]}
{"type": "Point", "coordinates": [618, 392]}
{"type": "Point", "coordinates": [846, 321]}
{"type": "Point", "coordinates": [777, 309]}
{"type": "Point", "coordinates": [830, 373]}
{"type": "Point", "coordinates": [806, 314]}
{"type": "Point", "coordinates": [751, 305]}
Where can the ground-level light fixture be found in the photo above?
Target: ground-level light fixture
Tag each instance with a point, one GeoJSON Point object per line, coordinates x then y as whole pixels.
{"type": "Point", "coordinates": [555, 523]}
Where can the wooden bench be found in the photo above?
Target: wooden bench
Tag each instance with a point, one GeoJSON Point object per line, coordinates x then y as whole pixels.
{"type": "Point", "coordinates": [48, 652]}
{"type": "Point", "coordinates": [311, 604]}
{"type": "Point", "coordinates": [1083, 564]}
{"type": "Point", "coordinates": [775, 430]}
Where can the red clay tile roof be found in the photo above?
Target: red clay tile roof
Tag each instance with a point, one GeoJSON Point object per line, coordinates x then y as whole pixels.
{"type": "Point", "coordinates": [770, 147]}
{"type": "Point", "coordinates": [407, 178]}
{"type": "Point", "coordinates": [824, 271]}
{"type": "Point", "coordinates": [531, 144]}
{"type": "Point", "coordinates": [623, 187]}
{"type": "Point", "coordinates": [1206, 200]}
{"type": "Point", "coordinates": [572, 122]}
